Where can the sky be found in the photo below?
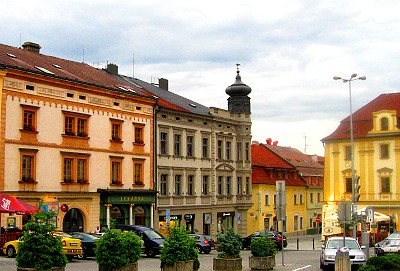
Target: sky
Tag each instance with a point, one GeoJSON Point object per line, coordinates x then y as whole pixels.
{"type": "Point", "coordinates": [288, 50]}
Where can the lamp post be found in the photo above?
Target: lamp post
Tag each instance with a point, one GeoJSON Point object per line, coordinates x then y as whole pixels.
{"type": "Point", "coordinates": [353, 77]}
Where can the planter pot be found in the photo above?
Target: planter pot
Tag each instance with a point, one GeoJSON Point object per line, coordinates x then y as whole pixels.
{"type": "Point", "coordinates": [262, 263]}
{"type": "Point", "coordinates": [220, 264]}
{"type": "Point", "coordinates": [179, 266]}
{"type": "Point", "coordinates": [128, 267]}
{"type": "Point", "coordinates": [34, 269]}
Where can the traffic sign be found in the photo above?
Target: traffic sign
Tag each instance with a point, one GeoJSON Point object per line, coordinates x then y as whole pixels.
{"type": "Point", "coordinates": [318, 219]}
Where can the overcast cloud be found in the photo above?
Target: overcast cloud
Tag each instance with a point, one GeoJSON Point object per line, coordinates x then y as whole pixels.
{"type": "Point", "coordinates": [288, 50]}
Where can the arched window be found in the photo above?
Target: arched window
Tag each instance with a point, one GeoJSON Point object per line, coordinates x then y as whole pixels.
{"type": "Point", "coordinates": [384, 124]}
{"type": "Point", "coordinates": [73, 221]}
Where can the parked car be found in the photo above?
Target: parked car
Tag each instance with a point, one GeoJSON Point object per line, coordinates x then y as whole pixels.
{"type": "Point", "coordinates": [204, 244]}
{"type": "Point", "coordinates": [333, 244]}
{"type": "Point", "coordinates": [88, 243]}
{"type": "Point", "coordinates": [71, 246]}
{"type": "Point", "coordinates": [390, 246]}
{"type": "Point", "coordinates": [275, 236]}
{"type": "Point", "coordinates": [378, 246]}
{"type": "Point", "coordinates": [152, 239]}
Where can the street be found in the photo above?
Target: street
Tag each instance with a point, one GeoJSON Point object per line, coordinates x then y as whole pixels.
{"type": "Point", "coordinates": [301, 254]}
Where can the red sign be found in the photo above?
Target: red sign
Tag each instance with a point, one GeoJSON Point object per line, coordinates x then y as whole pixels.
{"type": "Point", "coordinates": [318, 219]}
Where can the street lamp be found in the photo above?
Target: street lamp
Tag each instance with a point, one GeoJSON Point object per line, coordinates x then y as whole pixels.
{"type": "Point", "coordinates": [353, 77]}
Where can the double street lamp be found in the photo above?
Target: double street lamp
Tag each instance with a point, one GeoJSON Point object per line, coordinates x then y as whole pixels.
{"type": "Point", "coordinates": [353, 77]}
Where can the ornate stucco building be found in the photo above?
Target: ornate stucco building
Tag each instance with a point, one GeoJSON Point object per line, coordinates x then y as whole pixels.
{"type": "Point", "coordinates": [202, 159]}
{"type": "Point", "coordinates": [76, 138]}
{"type": "Point", "coordinates": [376, 161]}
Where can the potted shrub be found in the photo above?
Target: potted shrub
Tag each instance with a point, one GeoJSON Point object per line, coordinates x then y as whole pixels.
{"type": "Point", "coordinates": [228, 247]}
{"type": "Point", "coordinates": [118, 251]}
{"type": "Point", "coordinates": [40, 249]}
{"type": "Point", "coordinates": [263, 252]}
{"type": "Point", "coordinates": [179, 252]}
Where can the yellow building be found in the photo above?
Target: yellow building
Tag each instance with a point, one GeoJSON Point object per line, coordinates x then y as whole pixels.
{"type": "Point", "coordinates": [376, 162]}
{"type": "Point", "coordinates": [267, 168]}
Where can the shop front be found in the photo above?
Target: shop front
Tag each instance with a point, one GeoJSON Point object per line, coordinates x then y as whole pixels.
{"type": "Point", "coordinates": [128, 207]}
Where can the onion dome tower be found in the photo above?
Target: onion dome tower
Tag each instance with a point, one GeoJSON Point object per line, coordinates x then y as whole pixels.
{"type": "Point", "coordinates": [238, 102]}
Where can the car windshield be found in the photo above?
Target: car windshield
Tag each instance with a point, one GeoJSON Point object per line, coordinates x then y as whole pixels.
{"type": "Point", "coordinates": [153, 235]}
{"type": "Point", "coordinates": [62, 234]}
{"type": "Point", "coordinates": [337, 244]}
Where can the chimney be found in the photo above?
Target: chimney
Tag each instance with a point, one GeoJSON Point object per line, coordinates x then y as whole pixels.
{"type": "Point", "coordinates": [269, 141]}
{"type": "Point", "coordinates": [275, 143]}
{"type": "Point", "coordinates": [255, 143]}
{"type": "Point", "coordinates": [112, 69]}
{"type": "Point", "coordinates": [163, 83]}
{"type": "Point", "coordinates": [31, 47]}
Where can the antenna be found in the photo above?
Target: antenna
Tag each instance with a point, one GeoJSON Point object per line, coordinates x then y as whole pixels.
{"type": "Point", "coordinates": [83, 55]}
{"type": "Point", "coordinates": [20, 40]}
{"type": "Point", "coordinates": [133, 65]}
{"type": "Point", "coordinates": [305, 144]}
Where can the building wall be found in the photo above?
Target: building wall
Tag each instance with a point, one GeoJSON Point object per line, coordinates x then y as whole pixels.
{"type": "Point", "coordinates": [52, 99]}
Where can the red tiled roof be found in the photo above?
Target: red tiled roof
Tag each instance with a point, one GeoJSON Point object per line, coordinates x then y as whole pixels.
{"type": "Point", "coordinates": [362, 118]}
{"type": "Point", "coordinates": [23, 60]}
{"type": "Point", "coordinates": [262, 156]}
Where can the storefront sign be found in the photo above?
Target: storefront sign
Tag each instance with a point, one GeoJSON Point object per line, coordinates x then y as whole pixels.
{"type": "Point", "coordinates": [189, 216]}
{"type": "Point", "coordinates": [115, 199]}
{"type": "Point", "coordinates": [171, 217]}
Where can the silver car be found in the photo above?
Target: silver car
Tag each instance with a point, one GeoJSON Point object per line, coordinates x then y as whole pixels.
{"type": "Point", "coordinates": [390, 246]}
{"type": "Point", "coordinates": [334, 244]}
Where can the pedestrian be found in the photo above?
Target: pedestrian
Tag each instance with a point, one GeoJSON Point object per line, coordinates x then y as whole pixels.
{"type": "Point", "coordinates": [98, 229]}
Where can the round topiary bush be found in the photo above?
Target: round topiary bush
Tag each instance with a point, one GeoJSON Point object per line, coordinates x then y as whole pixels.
{"type": "Point", "coordinates": [229, 244]}
{"type": "Point", "coordinates": [389, 262]}
{"type": "Point", "coordinates": [262, 247]}
{"type": "Point", "coordinates": [118, 248]}
{"type": "Point", "coordinates": [179, 246]}
{"type": "Point", "coordinates": [39, 248]}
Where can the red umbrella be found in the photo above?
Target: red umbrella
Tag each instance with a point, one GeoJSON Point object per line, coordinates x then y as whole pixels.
{"type": "Point", "coordinates": [10, 204]}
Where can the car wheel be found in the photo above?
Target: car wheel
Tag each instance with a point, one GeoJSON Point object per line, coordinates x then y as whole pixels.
{"type": "Point", "coordinates": [150, 253]}
{"type": "Point", "coordinates": [198, 248]}
{"type": "Point", "coordinates": [10, 252]}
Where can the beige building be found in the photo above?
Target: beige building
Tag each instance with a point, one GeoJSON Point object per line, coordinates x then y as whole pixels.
{"type": "Point", "coordinates": [203, 160]}
{"type": "Point", "coordinates": [76, 138]}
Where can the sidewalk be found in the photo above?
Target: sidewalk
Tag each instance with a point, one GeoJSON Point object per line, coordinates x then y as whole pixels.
{"type": "Point", "coordinates": [304, 242]}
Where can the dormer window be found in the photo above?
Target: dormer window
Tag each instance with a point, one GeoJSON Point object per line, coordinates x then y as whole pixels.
{"type": "Point", "coordinates": [384, 124]}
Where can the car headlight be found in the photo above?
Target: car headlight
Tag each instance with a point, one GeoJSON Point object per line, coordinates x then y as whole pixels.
{"type": "Point", "coordinates": [330, 257]}
{"type": "Point", "coordinates": [359, 257]}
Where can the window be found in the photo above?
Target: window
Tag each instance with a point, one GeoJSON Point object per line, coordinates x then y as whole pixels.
{"type": "Point", "coordinates": [311, 197]}
{"type": "Point", "coordinates": [205, 147]}
{"type": "Point", "coordinates": [29, 118]}
{"type": "Point", "coordinates": [138, 173]}
{"type": "Point", "coordinates": [267, 203]}
{"type": "Point", "coordinates": [220, 185]}
{"type": "Point", "coordinates": [228, 150]}
{"type": "Point", "coordinates": [239, 186]}
{"type": "Point", "coordinates": [248, 187]}
{"type": "Point", "coordinates": [139, 135]}
{"type": "Point", "coordinates": [384, 124]}
{"type": "Point", "coordinates": [116, 131]}
{"type": "Point", "coordinates": [116, 170]}
{"type": "Point", "coordinates": [385, 184]}
{"type": "Point", "coordinates": [163, 184]}
{"type": "Point", "coordinates": [348, 185]}
{"type": "Point", "coordinates": [189, 146]}
{"type": "Point", "coordinates": [295, 199]}
{"type": "Point", "coordinates": [384, 151]}
{"type": "Point", "coordinates": [274, 200]}
{"type": "Point", "coordinates": [301, 223]}
{"type": "Point", "coordinates": [178, 185]}
{"type": "Point", "coordinates": [75, 124]}
{"type": "Point", "coordinates": [205, 185]}
{"type": "Point", "coordinates": [190, 185]}
{"type": "Point", "coordinates": [301, 199]}
{"type": "Point", "coordinates": [239, 151]}
{"type": "Point", "coordinates": [177, 145]}
{"type": "Point", "coordinates": [28, 166]}
{"type": "Point", "coordinates": [247, 151]}
{"type": "Point", "coordinates": [228, 185]}
{"type": "Point", "coordinates": [163, 143]}
{"type": "Point", "coordinates": [219, 145]}
{"type": "Point", "coordinates": [319, 197]}
{"type": "Point", "coordinates": [296, 222]}
{"type": "Point", "coordinates": [348, 153]}
{"type": "Point", "coordinates": [75, 167]}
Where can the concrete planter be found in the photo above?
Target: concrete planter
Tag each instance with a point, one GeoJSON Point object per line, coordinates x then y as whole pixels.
{"type": "Point", "coordinates": [220, 264]}
{"type": "Point", "coordinates": [262, 263]}
{"type": "Point", "coordinates": [128, 267]}
{"type": "Point", "coordinates": [34, 269]}
{"type": "Point", "coordinates": [179, 266]}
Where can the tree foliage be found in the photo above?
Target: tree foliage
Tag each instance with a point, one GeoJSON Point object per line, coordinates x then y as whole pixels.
{"type": "Point", "coordinates": [229, 244]}
{"type": "Point", "coordinates": [262, 247]}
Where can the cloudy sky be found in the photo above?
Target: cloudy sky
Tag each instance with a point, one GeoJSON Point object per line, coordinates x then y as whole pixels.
{"type": "Point", "coordinates": [289, 52]}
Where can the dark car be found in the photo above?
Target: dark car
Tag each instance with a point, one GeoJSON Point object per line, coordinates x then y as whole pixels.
{"type": "Point", "coordinates": [378, 246]}
{"type": "Point", "coordinates": [204, 243]}
{"type": "Point", "coordinates": [88, 243]}
{"type": "Point", "coordinates": [152, 239]}
{"type": "Point", "coordinates": [276, 237]}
